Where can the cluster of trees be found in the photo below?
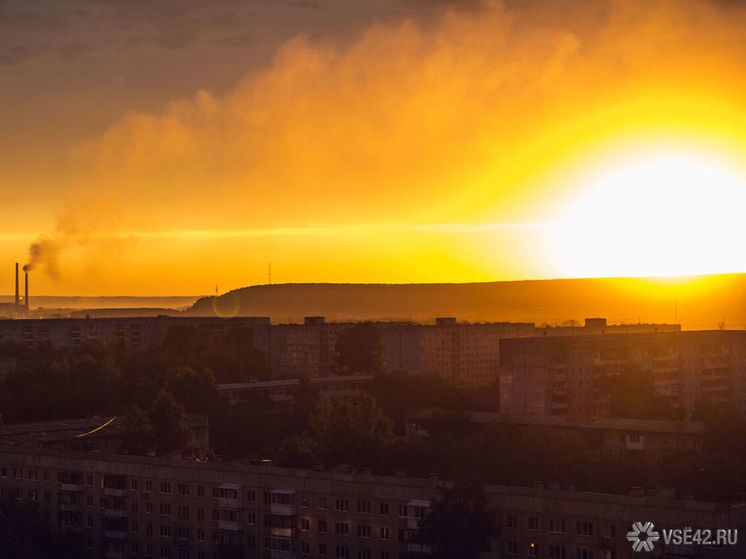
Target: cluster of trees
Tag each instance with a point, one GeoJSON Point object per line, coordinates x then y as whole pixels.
{"type": "Point", "coordinates": [160, 429]}
{"type": "Point", "coordinates": [51, 383]}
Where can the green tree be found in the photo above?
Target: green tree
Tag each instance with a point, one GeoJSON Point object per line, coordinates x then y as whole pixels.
{"type": "Point", "coordinates": [457, 525]}
{"type": "Point", "coordinates": [359, 349]}
{"type": "Point", "coordinates": [350, 430]}
{"type": "Point", "coordinates": [166, 417]}
{"type": "Point", "coordinates": [137, 433]}
{"type": "Point", "coordinates": [195, 390]}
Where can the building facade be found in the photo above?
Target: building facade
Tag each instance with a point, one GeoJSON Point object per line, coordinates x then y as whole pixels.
{"type": "Point", "coordinates": [566, 376]}
{"type": "Point", "coordinates": [133, 507]}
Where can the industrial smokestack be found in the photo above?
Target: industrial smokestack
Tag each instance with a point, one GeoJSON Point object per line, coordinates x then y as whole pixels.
{"type": "Point", "coordinates": [25, 298]}
{"type": "Point", "coordinates": [17, 284]}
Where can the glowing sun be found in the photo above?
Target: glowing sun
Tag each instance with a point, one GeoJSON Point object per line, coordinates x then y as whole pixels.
{"type": "Point", "coordinates": [659, 214]}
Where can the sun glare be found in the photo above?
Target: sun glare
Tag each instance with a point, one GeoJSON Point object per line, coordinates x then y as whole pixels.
{"type": "Point", "coordinates": [663, 214]}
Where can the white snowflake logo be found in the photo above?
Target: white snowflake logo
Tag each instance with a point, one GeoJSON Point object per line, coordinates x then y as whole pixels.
{"type": "Point", "coordinates": [643, 536]}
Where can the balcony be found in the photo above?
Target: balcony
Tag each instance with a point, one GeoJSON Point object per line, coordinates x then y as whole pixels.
{"type": "Point", "coordinates": [280, 554]}
{"type": "Point", "coordinates": [115, 534]}
{"type": "Point", "coordinates": [419, 548]}
{"type": "Point", "coordinates": [115, 513]}
{"type": "Point", "coordinates": [114, 492]}
{"type": "Point", "coordinates": [281, 532]}
{"type": "Point", "coordinates": [281, 510]}
{"type": "Point", "coordinates": [228, 503]}
{"type": "Point", "coordinates": [71, 487]}
{"type": "Point", "coordinates": [71, 507]}
{"type": "Point", "coordinates": [228, 525]}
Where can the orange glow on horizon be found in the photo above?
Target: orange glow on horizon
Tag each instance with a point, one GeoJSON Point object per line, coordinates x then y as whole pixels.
{"type": "Point", "coordinates": [482, 146]}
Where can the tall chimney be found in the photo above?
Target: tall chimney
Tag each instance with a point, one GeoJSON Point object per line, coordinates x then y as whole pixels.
{"type": "Point", "coordinates": [25, 298]}
{"type": "Point", "coordinates": [16, 283]}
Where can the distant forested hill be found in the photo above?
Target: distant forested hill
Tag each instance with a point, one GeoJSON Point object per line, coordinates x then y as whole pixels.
{"type": "Point", "coordinates": [701, 302]}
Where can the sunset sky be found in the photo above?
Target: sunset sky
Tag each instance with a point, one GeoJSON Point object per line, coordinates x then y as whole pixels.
{"type": "Point", "coordinates": [162, 147]}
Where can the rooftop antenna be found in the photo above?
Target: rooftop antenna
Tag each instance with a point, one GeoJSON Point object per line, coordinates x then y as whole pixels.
{"type": "Point", "coordinates": [216, 289]}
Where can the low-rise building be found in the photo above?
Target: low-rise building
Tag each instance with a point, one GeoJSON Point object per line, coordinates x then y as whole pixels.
{"type": "Point", "coordinates": [283, 391]}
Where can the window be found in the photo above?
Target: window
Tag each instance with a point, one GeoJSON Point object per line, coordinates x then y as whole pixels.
{"type": "Point", "coordinates": [533, 522]}
{"type": "Point", "coordinates": [511, 547]}
{"type": "Point", "coordinates": [200, 513]}
{"type": "Point", "coordinates": [322, 526]}
{"type": "Point", "coordinates": [148, 508]}
{"type": "Point", "coordinates": [251, 518]}
{"type": "Point", "coordinates": [341, 505]}
{"type": "Point", "coordinates": [200, 491]}
{"type": "Point", "coordinates": [363, 507]}
{"type": "Point", "coordinates": [305, 502]}
{"type": "Point", "coordinates": [134, 526]}
{"type": "Point", "coordinates": [182, 512]}
{"type": "Point", "coordinates": [341, 528]}
{"type": "Point", "coordinates": [305, 548]}
{"type": "Point", "coordinates": [583, 553]}
{"type": "Point", "coordinates": [511, 521]}
{"type": "Point", "coordinates": [322, 550]}
{"type": "Point", "coordinates": [385, 533]}
{"type": "Point", "coordinates": [322, 503]}
{"type": "Point", "coordinates": [165, 488]}
{"type": "Point", "coordinates": [183, 489]}
{"type": "Point", "coordinates": [585, 529]}
{"type": "Point", "coordinates": [383, 509]}
{"type": "Point", "coordinates": [148, 485]}
{"type": "Point", "coordinates": [200, 535]}
{"type": "Point", "coordinates": [384, 555]}
{"type": "Point", "coordinates": [165, 509]}
{"type": "Point", "coordinates": [557, 526]}
{"type": "Point", "coordinates": [556, 552]}
{"type": "Point", "coordinates": [363, 554]}
{"type": "Point", "coordinates": [165, 530]}
{"type": "Point", "coordinates": [251, 495]}
{"type": "Point", "coordinates": [533, 550]}
{"type": "Point", "coordinates": [305, 524]}
{"type": "Point", "coordinates": [342, 552]}
{"type": "Point", "coordinates": [133, 484]}
{"type": "Point", "coordinates": [133, 507]}
{"type": "Point", "coordinates": [363, 531]}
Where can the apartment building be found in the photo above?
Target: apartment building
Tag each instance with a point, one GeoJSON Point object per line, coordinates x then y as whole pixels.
{"type": "Point", "coordinates": [139, 507]}
{"type": "Point", "coordinates": [465, 353]}
{"type": "Point", "coordinates": [130, 332]}
{"type": "Point", "coordinates": [565, 376]}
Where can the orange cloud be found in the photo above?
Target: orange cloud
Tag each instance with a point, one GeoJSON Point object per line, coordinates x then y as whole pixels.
{"type": "Point", "coordinates": [470, 118]}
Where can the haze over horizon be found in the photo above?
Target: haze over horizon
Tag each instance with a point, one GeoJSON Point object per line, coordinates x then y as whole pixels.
{"type": "Point", "coordinates": [166, 147]}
